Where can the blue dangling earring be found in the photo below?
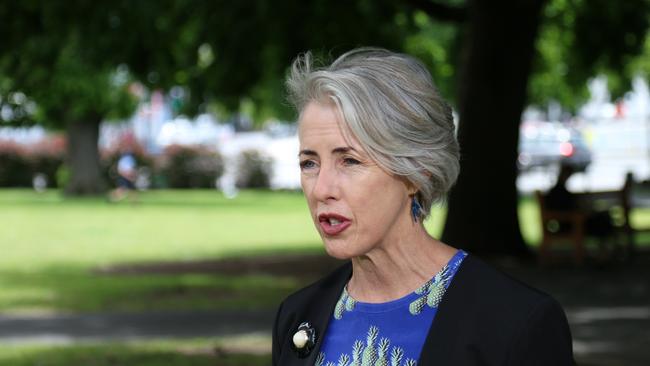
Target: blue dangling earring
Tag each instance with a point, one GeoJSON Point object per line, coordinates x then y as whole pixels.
{"type": "Point", "coordinates": [416, 209]}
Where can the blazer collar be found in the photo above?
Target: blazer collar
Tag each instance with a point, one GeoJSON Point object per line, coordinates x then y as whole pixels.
{"type": "Point", "coordinates": [319, 312]}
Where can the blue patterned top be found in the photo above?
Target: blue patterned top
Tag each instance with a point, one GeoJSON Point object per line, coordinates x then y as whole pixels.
{"type": "Point", "coordinates": [385, 334]}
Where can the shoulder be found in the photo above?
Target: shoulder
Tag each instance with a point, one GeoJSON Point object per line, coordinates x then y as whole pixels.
{"type": "Point", "coordinates": [484, 292]}
{"type": "Point", "coordinates": [501, 316]}
{"type": "Point", "coordinates": [477, 279]}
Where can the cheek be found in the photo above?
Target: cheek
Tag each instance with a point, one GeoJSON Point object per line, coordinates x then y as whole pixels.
{"type": "Point", "coordinates": [306, 185]}
{"type": "Point", "coordinates": [379, 202]}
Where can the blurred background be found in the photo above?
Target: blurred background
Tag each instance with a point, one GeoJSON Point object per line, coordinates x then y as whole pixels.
{"type": "Point", "coordinates": [150, 205]}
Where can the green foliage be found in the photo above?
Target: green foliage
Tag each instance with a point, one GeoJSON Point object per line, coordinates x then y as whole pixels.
{"type": "Point", "coordinates": [60, 55]}
{"type": "Point", "coordinates": [14, 167]}
{"type": "Point", "coordinates": [62, 176]}
{"type": "Point", "coordinates": [275, 34]}
{"type": "Point", "coordinates": [580, 39]}
{"type": "Point", "coordinates": [437, 45]}
{"type": "Point", "coordinates": [76, 59]}
{"type": "Point", "coordinates": [641, 64]}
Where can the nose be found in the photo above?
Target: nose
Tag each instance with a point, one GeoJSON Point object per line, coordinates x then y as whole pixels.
{"type": "Point", "coordinates": [326, 186]}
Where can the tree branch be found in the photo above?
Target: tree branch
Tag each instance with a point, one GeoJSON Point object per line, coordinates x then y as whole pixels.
{"type": "Point", "coordinates": [442, 12]}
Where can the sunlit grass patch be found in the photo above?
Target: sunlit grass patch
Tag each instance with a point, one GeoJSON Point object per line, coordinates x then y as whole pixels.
{"type": "Point", "coordinates": [251, 350]}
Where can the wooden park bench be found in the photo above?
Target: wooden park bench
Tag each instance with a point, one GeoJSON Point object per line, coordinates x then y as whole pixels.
{"type": "Point", "coordinates": [575, 235]}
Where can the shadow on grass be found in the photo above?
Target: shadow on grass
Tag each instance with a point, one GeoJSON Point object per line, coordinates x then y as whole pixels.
{"type": "Point", "coordinates": [127, 355]}
{"type": "Point", "coordinates": [220, 284]}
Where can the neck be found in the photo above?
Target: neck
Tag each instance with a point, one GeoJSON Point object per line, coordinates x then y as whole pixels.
{"type": "Point", "coordinates": [398, 266]}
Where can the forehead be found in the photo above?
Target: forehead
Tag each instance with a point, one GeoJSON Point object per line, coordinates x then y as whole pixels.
{"type": "Point", "coordinates": [323, 123]}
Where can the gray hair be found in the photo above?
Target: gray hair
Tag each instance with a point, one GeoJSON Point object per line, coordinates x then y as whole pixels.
{"type": "Point", "coordinates": [389, 104]}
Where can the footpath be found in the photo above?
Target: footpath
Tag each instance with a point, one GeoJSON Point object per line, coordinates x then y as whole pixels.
{"type": "Point", "coordinates": [79, 328]}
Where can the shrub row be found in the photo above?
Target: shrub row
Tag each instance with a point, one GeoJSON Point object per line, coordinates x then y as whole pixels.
{"type": "Point", "coordinates": [177, 167]}
{"type": "Point", "coordinates": [19, 164]}
{"type": "Point", "coordinates": [190, 167]}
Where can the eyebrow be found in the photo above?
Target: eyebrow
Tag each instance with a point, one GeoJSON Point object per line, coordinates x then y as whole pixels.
{"type": "Point", "coordinates": [338, 150]}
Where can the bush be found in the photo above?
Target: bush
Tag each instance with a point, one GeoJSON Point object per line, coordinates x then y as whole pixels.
{"type": "Point", "coordinates": [253, 170]}
{"type": "Point", "coordinates": [47, 157]}
{"type": "Point", "coordinates": [15, 170]}
{"type": "Point", "coordinates": [191, 167]}
{"type": "Point", "coordinates": [20, 163]}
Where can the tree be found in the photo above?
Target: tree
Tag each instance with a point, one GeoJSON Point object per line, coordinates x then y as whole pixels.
{"type": "Point", "coordinates": [495, 67]}
{"type": "Point", "coordinates": [496, 47]}
{"type": "Point", "coordinates": [74, 60]}
{"type": "Point", "coordinates": [58, 55]}
{"type": "Point", "coordinates": [490, 57]}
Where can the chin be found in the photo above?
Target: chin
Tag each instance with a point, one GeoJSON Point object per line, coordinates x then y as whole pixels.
{"type": "Point", "coordinates": [337, 249]}
{"type": "Point", "coordinates": [342, 249]}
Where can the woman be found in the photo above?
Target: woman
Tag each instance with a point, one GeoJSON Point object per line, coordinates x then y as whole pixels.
{"type": "Point", "coordinates": [377, 149]}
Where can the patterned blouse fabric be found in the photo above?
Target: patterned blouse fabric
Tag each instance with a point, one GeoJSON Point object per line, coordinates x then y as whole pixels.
{"type": "Point", "coordinates": [385, 334]}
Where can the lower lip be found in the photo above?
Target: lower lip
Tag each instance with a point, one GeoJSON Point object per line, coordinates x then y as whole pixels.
{"type": "Point", "coordinates": [330, 229]}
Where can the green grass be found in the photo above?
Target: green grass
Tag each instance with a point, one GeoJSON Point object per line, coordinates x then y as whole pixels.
{"type": "Point", "coordinates": [50, 248]}
{"type": "Point", "coordinates": [44, 230]}
{"type": "Point", "coordinates": [240, 351]}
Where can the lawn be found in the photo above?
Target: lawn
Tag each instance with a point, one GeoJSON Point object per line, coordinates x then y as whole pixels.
{"type": "Point", "coordinates": [241, 351]}
{"type": "Point", "coordinates": [54, 253]}
{"type": "Point", "coordinates": [52, 248]}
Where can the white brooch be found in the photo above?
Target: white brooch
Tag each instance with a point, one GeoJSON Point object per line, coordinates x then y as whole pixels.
{"type": "Point", "coordinates": [304, 339]}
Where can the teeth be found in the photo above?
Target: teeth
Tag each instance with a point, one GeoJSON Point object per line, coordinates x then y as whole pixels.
{"type": "Point", "coordinates": [334, 221]}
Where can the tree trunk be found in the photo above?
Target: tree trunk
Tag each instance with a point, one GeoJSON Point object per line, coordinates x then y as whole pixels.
{"type": "Point", "coordinates": [83, 159]}
{"type": "Point", "coordinates": [494, 69]}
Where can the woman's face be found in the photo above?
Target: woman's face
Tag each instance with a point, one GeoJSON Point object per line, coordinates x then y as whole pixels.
{"type": "Point", "coordinates": [356, 206]}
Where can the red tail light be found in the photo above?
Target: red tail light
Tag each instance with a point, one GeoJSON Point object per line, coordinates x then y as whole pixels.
{"type": "Point", "coordinates": [566, 149]}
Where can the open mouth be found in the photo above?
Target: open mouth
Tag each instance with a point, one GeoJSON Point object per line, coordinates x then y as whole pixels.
{"type": "Point", "coordinates": [333, 224]}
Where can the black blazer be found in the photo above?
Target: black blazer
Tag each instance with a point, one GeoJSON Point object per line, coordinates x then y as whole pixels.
{"type": "Point", "coordinates": [485, 318]}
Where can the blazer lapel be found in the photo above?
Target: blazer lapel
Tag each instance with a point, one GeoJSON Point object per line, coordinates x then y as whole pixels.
{"type": "Point", "coordinates": [318, 314]}
{"type": "Point", "coordinates": [444, 332]}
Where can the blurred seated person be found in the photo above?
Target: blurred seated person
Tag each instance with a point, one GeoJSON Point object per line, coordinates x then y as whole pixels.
{"type": "Point", "coordinates": [126, 176]}
{"type": "Point", "coordinates": [597, 223]}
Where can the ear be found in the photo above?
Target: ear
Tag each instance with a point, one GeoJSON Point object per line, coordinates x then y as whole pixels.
{"type": "Point", "coordinates": [411, 188]}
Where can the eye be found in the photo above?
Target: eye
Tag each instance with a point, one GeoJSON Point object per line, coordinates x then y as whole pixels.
{"type": "Point", "coordinates": [351, 161]}
{"type": "Point", "coordinates": [307, 164]}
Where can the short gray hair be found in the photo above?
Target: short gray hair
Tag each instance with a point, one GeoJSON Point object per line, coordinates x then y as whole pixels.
{"type": "Point", "coordinates": [388, 102]}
